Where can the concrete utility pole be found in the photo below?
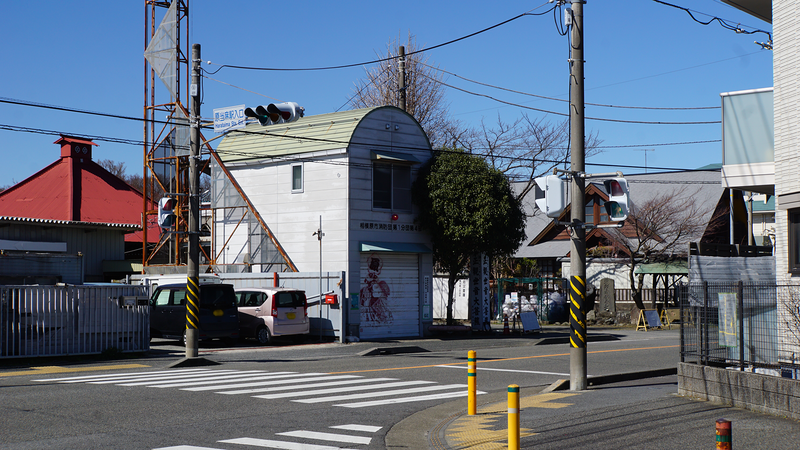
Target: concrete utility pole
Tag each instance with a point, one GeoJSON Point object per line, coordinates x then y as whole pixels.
{"type": "Point", "coordinates": [192, 268]}
{"type": "Point", "coordinates": [402, 78]}
{"type": "Point", "coordinates": [577, 281]}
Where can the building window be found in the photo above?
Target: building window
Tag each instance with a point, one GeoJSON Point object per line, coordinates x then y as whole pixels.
{"type": "Point", "coordinates": [794, 241]}
{"type": "Point", "coordinates": [596, 211]}
{"type": "Point", "coordinates": [391, 186]}
{"type": "Point", "coordinates": [297, 178]}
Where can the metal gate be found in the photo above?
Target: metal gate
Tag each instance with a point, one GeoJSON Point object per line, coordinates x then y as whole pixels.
{"type": "Point", "coordinates": [389, 295]}
{"type": "Point", "coordinates": [70, 320]}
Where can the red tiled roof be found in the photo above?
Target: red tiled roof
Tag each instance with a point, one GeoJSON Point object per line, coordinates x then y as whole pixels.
{"type": "Point", "coordinates": [75, 188]}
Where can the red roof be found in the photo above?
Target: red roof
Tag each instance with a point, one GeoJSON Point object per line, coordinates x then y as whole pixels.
{"type": "Point", "coordinates": [75, 188]}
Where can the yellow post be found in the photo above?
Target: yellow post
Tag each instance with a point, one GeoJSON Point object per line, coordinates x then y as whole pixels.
{"type": "Point", "coordinates": [513, 417]}
{"type": "Point", "coordinates": [472, 407]}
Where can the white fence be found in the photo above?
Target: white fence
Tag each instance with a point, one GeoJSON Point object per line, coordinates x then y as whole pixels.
{"type": "Point", "coordinates": [71, 320]}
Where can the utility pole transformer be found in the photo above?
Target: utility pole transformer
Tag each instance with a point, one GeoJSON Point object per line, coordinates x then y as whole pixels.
{"type": "Point", "coordinates": [577, 280]}
{"type": "Point", "coordinates": [193, 266]}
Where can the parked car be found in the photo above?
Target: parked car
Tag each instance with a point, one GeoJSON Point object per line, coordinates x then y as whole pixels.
{"type": "Point", "coordinates": [219, 317]}
{"type": "Point", "coordinates": [265, 313]}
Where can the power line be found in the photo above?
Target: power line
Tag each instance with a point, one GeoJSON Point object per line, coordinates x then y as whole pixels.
{"type": "Point", "coordinates": [376, 61]}
{"type": "Point", "coordinates": [250, 156]}
{"type": "Point", "coordinates": [567, 101]}
{"type": "Point", "coordinates": [640, 122]}
{"type": "Point", "coordinates": [728, 25]}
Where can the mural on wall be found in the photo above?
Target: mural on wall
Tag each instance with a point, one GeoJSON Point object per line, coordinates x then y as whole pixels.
{"type": "Point", "coordinates": [374, 294]}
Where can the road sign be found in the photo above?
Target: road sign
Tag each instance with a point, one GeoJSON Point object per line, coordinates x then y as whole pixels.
{"type": "Point", "coordinates": [228, 118]}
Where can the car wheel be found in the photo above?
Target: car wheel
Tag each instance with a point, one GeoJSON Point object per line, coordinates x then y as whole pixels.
{"type": "Point", "coordinates": [183, 339]}
{"type": "Point", "coordinates": [263, 336]}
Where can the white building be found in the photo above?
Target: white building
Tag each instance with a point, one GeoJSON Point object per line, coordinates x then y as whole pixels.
{"type": "Point", "coordinates": [767, 162]}
{"type": "Point", "coordinates": [350, 174]}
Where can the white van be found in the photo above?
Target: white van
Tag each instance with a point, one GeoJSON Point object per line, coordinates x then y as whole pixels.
{"type": "Point", "coordinates": [265, 313]}
{"type": "Point", "coordinates": [152, 281]}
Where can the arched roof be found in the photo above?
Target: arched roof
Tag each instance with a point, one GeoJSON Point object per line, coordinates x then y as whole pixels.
{"type": "Point", "coordinates": [323, 132]}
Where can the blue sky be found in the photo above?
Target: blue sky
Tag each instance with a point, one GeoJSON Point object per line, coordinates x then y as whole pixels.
{"type": "Point", "coordinates": [89, 56]}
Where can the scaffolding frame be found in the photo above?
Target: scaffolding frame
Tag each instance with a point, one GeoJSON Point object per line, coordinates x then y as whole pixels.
{"type": "Point", "coordinates": [166, 167]}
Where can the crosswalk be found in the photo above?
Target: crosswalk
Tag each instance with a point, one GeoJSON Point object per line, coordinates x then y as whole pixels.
{"type": "Point", "coordinates": [342, 390]}
{"type": "Point", "coordinates": [348, 434]}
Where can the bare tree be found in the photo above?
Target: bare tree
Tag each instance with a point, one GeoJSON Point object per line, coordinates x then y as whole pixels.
{"type": "Point", "coordinates": [658, 230]}
{"type": "Point", "coordinates": [116, 168]}
{"type": "Point", "coordinates": [425, 94]}
{"type": "Point", "coordinates": [526, 148]}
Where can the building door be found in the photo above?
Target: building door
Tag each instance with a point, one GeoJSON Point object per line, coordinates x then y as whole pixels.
{"type": "Point", "coordinates": [389, 295]}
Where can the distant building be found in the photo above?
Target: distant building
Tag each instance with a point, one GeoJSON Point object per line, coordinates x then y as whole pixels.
{"type": "Point", "coordinates": [548, 242]}
{"type": "Point", "coordinates": [69, 222]}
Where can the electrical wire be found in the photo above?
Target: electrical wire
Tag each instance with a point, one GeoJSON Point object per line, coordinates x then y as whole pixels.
{"type": "Point", "coordinates": [376, 61]}
{"type": "Point", "coordinates": [723, 22]}
{"type": "Point", "coordinates": [250, 156]}
{"type": "Point", "coordinates": [567, 101]}
{"type": "Point", "coordinates": [640, 122]}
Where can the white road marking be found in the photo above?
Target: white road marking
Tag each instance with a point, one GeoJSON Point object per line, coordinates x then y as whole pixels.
{"type": "Point", "coordinates": [346, 438]}
{"type": "Point", "coordinates": [357, 427]}
{"type": "Point", "coordinates": [342, 389]}
{"type": "Point", "coordinates": [337, 398]}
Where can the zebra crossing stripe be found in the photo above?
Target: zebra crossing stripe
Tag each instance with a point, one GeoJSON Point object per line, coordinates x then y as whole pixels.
{"type": "Point", "coordinates": [187, 447]}
{"type": "Point", "coordinates": [268, 443]}
{"type": "Point", "coordinates": [172, 379]}
{"type": "Point", "coordinates": [275, 385]}
{"type": "Point", "coordinates": [346, 438]}
{"type": "Point", "coordinates": [86, 378]}
{"type": "Point", "coordinates": [357, 427]}
{"type": "Point", "coordinates": [337, 398]}
{"type": "Point", "coordinates": [207, 379]}
{"type": "Point", "coordinates": [392, 401]}
{"type": "Point", "coordinates": [341, 389]}
{"type": "Point", "coordinates": [285, 377]}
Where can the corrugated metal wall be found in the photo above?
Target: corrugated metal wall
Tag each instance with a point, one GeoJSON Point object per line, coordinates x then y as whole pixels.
{"type": "Point", "coordinates": [58, 320]}
{"type": "Point", "coordinates": [721, 269]}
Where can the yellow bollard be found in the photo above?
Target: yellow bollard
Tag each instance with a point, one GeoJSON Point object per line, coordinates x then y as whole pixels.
{"type": "Point", "coordinates": [513, 417]}
{"type": "Point", "coordinates": [472, 407]}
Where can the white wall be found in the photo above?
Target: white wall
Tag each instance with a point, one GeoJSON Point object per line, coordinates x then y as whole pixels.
{"type": "Point", "coordinates": [293, 217]}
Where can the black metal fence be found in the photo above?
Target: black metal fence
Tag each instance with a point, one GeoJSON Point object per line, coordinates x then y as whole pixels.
{"type": "Point", "coordinates": [749, 326]}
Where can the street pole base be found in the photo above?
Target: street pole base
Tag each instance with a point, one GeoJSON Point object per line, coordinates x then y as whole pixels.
{"type": "Point", "coordinates": [197, 361]}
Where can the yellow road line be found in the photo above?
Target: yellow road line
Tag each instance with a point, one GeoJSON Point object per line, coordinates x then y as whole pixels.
{"type": "Point", "coordinates": [58, 369]}
{"type": "Point", "coordinates": [485, 361]}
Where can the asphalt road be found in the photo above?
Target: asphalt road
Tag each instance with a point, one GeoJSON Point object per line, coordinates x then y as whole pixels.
{"type": "Point", "coordinates": [395, 394]}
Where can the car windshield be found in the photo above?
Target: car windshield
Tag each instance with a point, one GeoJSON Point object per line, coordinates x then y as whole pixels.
{"type": "Point", "coordinates": [217, 296]}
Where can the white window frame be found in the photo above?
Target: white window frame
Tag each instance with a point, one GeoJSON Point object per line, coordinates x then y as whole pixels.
{"type": "Point", "coordinates": [302, 179]}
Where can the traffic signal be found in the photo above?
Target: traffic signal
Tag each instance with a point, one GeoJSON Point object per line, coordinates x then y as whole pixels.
{"type": "Point", "coordinates": [617, 204]}
{"type": "Point", "coordinates": [276, 113]}
{"type": "Point", "coordinates": [555, 195]}
{"type": "Point", "coordinates": [166, 215]}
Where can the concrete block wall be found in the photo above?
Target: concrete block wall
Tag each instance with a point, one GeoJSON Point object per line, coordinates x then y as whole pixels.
{"type": "Point", "coordinates": [762, 393]}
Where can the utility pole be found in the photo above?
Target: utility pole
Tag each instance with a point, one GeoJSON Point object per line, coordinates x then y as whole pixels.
{"type": "Point", "coordinates": [577, 281]}
{"type": "Point", "coordinates": [402, 77]}
{"type": "Point", "coordinates": [192, 268]}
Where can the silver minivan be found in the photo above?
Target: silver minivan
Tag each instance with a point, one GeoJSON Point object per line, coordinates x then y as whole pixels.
{"type": "Point", "coordinates": [265, 313]}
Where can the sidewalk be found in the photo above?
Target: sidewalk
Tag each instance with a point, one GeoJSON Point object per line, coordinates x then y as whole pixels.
{"type": "Point", "coordinates": [642, 413]}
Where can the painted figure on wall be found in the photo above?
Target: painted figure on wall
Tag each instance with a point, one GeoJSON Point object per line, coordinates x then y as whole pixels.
{"type": "Point", "coordinates": [375, 294]}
